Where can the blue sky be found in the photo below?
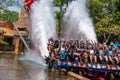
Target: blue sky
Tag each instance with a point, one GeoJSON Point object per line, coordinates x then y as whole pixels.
{"type": "Point", "coordinates": [15, 7]}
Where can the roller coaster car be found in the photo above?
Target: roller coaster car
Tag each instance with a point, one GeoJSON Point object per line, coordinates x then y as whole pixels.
{"type": "Point", "coordinates": [99, 67]}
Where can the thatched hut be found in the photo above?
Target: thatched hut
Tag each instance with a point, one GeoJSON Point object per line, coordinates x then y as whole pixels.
{"type": "Point", "coordinates": [23, 25]}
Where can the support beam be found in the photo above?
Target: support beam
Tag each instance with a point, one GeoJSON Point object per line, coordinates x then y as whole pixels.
{"type": "Point", "coordinates": [16, 46]}
{"type": "Point", "coordinates": [22, 38]}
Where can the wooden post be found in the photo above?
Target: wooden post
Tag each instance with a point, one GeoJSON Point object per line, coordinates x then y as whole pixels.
{"type": "Point", "coordinates": [21, 37]}
{"type": "Point", "coordinates": [17, 46]}
{"type": "Point", "coordinates": [77, 76]}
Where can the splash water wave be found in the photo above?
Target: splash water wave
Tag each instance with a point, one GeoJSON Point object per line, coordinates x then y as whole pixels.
{"type": "Point", "coordinates": [43, 26]}
{"type": "Point", "coordinates": [77, 22]}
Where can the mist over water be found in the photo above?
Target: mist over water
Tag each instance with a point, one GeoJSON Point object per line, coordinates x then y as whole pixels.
{"type": "Point", "coordinates": [43, 25]}
{"type": "Point", "coordinates": [77, 22]}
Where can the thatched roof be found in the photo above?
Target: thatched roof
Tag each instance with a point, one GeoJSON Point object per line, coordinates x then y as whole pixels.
{"type": "Point", "coordinates": [24, 20]}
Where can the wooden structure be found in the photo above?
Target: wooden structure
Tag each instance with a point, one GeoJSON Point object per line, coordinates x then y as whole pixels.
{"type": "Point", "coordinates": [12, 36]}
{"type": "Point", "coordinates": [7, 30]}
{"type": "Point", "coordinates": [23, 26]}
{"type": "Point", "coordinates": [77, 76]}
{"type": "Point", "coordinates": [91, 71]}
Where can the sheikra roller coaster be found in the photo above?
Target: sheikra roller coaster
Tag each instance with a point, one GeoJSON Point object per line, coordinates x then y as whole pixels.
{"type": "Point", "coordinates": [91, 71]}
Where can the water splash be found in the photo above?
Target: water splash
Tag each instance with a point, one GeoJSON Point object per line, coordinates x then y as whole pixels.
{"type": "Point", "coordinates": [77, 23]}
{"type": "Point", "coordinates": [43, 25]}
{"type": "Point", "coordinates": [42, 28]}
{"type": "Point", "coordinates": [33, 56]}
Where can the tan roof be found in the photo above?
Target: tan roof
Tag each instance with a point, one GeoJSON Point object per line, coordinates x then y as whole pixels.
{"type": "Point", "coordinates": [24, 20]}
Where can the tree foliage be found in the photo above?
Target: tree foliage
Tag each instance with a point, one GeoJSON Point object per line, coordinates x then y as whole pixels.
{"type": "Point", "coordinates": [106, 17]}
{"type": "Point", "coordinates": [61, 4]}
{"type": "Point", "coordinates": [9, 16]}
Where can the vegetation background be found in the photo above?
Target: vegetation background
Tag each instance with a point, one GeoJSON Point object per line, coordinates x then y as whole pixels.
{"type": "Point", "coordinates": [104, 13]}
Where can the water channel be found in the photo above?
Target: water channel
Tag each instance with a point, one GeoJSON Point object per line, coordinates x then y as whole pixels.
{"type": "Point", "coordinates": [13, 69]}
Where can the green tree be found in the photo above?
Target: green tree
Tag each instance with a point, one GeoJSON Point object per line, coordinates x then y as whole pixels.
{"type": "Point", "coordinates": [106, 17]}
{"type": "Point", "coordinates": [61, 4]}
{"type": "Point", "coordinates": [9, 16]}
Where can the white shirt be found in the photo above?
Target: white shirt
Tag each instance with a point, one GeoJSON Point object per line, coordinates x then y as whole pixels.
{"type": "Point", "coordinates": [92, 51]}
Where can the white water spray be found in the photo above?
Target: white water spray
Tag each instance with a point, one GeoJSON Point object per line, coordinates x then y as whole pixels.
{"type": "Point", "coordinates": [42, 28]}
{"type": "Point", "coordinates": [43, 25]}
{"type": "Point", "coordinates": [77, 22]}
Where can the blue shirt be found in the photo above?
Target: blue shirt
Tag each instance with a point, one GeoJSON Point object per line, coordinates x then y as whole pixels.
{"type": "Point", "coordinates": [110, 52]}
{"type": "Point", "coordinates": [82, 49]}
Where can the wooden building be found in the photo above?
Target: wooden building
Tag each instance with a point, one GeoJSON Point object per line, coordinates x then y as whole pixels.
{"type": "Point", "coordinates": [23, 25]}
{"type": "Point", "coordinates": [11, 35]}
{"type": "Point", "coordinates": [7, 31]}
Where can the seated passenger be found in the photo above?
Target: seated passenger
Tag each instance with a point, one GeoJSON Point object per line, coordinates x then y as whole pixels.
{"type": "Point", "coordinates": [111, 54]}
{"type": "Point", "coordinates": [62, 52]}
{"type": "Point", "coordinates": [106, 53]}
{"type": "Point", "coordinates": [56, 46]}
{"type": "Point", "coordinates": [73, 46]}
{"type": "Point", "coordinates": [92, 54]}
{"type": "Point", "coordinates": [85, 57]}
{"type": "Point", "coordinates": [81, 47]}
{"type": "Point", "coordinates": [81, 50]}
{"type": "Point", "coordinates": [50, 41]}
{"type": "Point", "coordinates": [101, 52]}
{"type": "Point", "coordinates": [117, 57]}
